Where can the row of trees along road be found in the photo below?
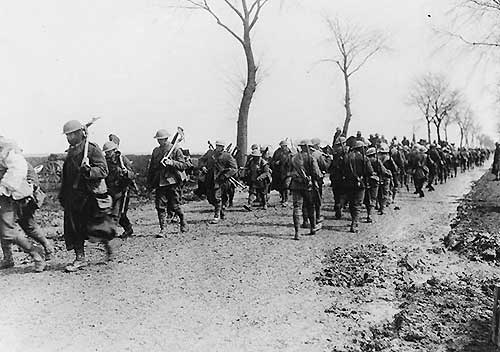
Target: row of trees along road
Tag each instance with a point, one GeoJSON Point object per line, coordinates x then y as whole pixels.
{"type": "Point", "coordinates": [441, 105]}
{"type": "Point", "coordinates": [353, 47]}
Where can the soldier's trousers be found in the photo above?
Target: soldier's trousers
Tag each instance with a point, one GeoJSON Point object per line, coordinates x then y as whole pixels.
{"type": "Point", "coordinates": [8, 233]}
{"type": "Point", "coordinates": [218, 196]}
{"type": "Point", "coordinates": [303, 199]}
{"type": "Point", "coordinates": [383, 196]}
{"type": "Point", "coordinates": [355, 198]}
{"type": "Point", "coordinates": [317, 202]}
{"type": "Point", "coordinates": [419, 184]}
{"type": "Point", "coordinates": [168, 198]}
{"type": "Point", "coordinates": [338, 190]}
{"type": "Point", "coordinates": [119, 211]}
{"type": "Point", "coordinates": [370, 199]}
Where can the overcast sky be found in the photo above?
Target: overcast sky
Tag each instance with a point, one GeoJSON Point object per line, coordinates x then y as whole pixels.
{"type": "Point", "coordinates": [142, 65]}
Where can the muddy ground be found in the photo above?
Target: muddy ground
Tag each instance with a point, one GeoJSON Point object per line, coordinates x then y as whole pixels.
{"type": "Point", "coordinates": [245, 285]}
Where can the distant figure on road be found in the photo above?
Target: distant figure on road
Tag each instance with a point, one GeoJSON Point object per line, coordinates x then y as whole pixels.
{"type": "Point", "coordinates": [496, 162]}
{"type": "Point", "coordinates": [281, 171]}
{"type": "Point", "coordinates": [257, 177]}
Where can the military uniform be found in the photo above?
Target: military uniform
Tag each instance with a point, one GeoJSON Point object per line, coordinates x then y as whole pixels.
{"type": "Point", "coordinates": [281, 171]}
{"type": "Point", "coordinates": [356, 170]}
{"type": "Point", "coordinates": [118, 181]}
{"type": "Point", "coordinates": [167, 181]}
{"type": "Point", "coordinates": [220, 167]}
{"type": "Point", "coordinates": [258, 179]}
{"type": "Point", "coordinates": [336, 175]}
{"type": "Point", "coordinates": [304, 182]}
{"type": "Point", "coordinates": [14, 188]}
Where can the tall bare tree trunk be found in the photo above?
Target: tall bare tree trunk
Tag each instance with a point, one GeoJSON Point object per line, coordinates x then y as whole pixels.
{"type": "Point", "coordinates": [429, 131]}
{"type": "Point", "coordinates": [347, 104]}
{"type": "Point", "coordinates": [246, 100]}
{"type": "Point", "coordinates": [438, 129]}
{"type": "Point", "coordinates": [461, 137]}
{"type": "Point", "coordinates": [446, 133]}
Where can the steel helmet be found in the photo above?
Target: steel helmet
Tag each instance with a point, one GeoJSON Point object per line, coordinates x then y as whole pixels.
{"type": "Point", "coordinates": [371, 151]}
{"type": "Point", "coordinates": [72, 126]}
{"type": "Point", "coordinates": [384, 148]}
{"type": "Point", "coordinates": [284, 142]}
{"type": "Point", "coordinates": [254, 146]}
{"type": "Point", "coordinates": [340, 140]}
{"type": "Point", "coordinates": [316, 141]}
{"type": "Point", "coordinates": [255, 152]}
{"type": "Point", "coordinates": [303, 142]}
{"type": "Point", "coordinates": [220, 142]}
{"type": "Point", "coordinates": [109, 146]}
{"type": "Point", "coordinates": [161, 134]}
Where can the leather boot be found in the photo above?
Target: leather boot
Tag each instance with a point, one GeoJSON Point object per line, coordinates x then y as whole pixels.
{"type": "Point", "coordinates": [216, 218]}
{"type": "Point", "coordinates": [38, 258]}
{"type": "Point", "coordinates": [79, 262]}
{"type": "Point", "coordinates": [182, 221]}
{"type": "Point", "coordinates": [8, 259]}
{"type": "Point", "coordinates": [162, 218]}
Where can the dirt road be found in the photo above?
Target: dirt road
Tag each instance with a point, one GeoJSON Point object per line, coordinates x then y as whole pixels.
{"type": "Point", "coordinates": [242, 285]}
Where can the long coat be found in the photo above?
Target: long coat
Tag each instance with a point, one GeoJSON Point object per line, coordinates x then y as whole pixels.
{"type": "Point", "coordinates": [84, 210]}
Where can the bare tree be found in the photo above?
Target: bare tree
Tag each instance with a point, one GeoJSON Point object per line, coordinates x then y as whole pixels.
{"type": "Point", "coordinates": [247, 13]}
{"type": "Point", "coordinates": [421, 97]}
{"type": "Point", "coordinates": [355, 46]}
{"type": "Point", "coordinates": [464, 118]}
{"type": "Point", "coordinates": [476, 23]}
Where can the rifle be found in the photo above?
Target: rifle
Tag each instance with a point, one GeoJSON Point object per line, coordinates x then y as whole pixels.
{"type": "Point", "coordinates": [228, 148]}
{"type": "Point", "coordinates": [210, 146]}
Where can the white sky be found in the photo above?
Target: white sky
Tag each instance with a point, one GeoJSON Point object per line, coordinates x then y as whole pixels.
{"type": "Point", "coordinates": [142, 65]}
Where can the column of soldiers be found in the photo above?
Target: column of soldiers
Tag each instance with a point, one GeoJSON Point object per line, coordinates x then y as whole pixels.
{"type": "Point", "coordinates": [96, 184]}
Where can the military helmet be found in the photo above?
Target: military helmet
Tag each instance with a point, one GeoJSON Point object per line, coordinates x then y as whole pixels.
{"type": "Point", "coordinates": [220, 142]}
{"type": "Point", "coordinates": [109, 146]}
{"type": "Point", "coordinates": [254, 146]}
{"type": "Point", "coordinates": [284, 142]}
{"type": "Point", "coordinates": [161, 134]}
{"type": "Point", "coordinates": [371, 151]}
{"type": "Point", "coordinates": [72, 126]}
{"type": "Point", "coordinates": [255, 152]}
{"type": "Point", "coordinates": [303, 142]}
{"type": "Point", "coordinates": [340, 140]}
{"type": "Point", "coordinates": [315, 141]}
{"type": "Point", "coordinates": [358, 144]}
{"type": "Point", "coordinates": [384, 148]}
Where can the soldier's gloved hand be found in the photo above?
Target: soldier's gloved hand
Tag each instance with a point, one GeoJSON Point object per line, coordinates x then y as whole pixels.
{"type": "Point", "coordinates": [85, 170]}
{"type": "Point", "coordinates": [204, 169]}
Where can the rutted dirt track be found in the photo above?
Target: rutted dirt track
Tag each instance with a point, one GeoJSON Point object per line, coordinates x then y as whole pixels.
{"type": "Point", "coordinates": [242, 285]}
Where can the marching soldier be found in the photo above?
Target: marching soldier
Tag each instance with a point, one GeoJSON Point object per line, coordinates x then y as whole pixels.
{"type": "Point", "coordinates": [356, 170]}
{"type": "Point", "coordinates": [304, 182]}
{"type": "Point", "coordinates": [281, 169]}
{"type": "Point", "coordinates": [372, 194]}
{"type": "Point", "coordinates": [258, 178]}
{"type": "Point", "coordinates": [336, 174]}
{"type": "Point", "coordinates": [166, 176]}
{"type": "Point", "coordinates": [119, 181]}
{"type": "Point", "coordinates": [393, 184]}
{"type": "Point", "coordinates": [83, 195]}
{"type": "Point", "coordinates": [220, 167]}
{"type": "Point", "coordinates": [417, 162]}
{"type": "Point", "coordinates": [15, 192]}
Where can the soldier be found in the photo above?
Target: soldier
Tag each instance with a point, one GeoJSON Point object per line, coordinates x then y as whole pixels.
{"type": "Point", "coordinates": [83, 195]}
{"type": "Point", "coordinates": [323, 164]}
{"type": "Point", "coordinates": [417, 162]}
{"type": "Point", "coordinates": [281, 171]}
{"type": "Point", "coordinates": [220, 167]}
{"type": "Point", "coordinates": [258, 178]}
{"type": "Point", "coordinates": [15, 192]}
{"type": "Point", "coordinates": [166, 176]}
{"type": "Point", "coordinates": [336, 174]}
{"type": "Point", "coordinates": [372, 194]}
{"type": "Point", "coordinates": [119, 181]}
{"type": "Point", "coordinates": [495, 168]}
{"type": "Point", "coordinates": [390, 165]}
{"type": "Point", "coordinates": [304, 181]}
{"type": "Point", "coordinates": [356, 170]}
